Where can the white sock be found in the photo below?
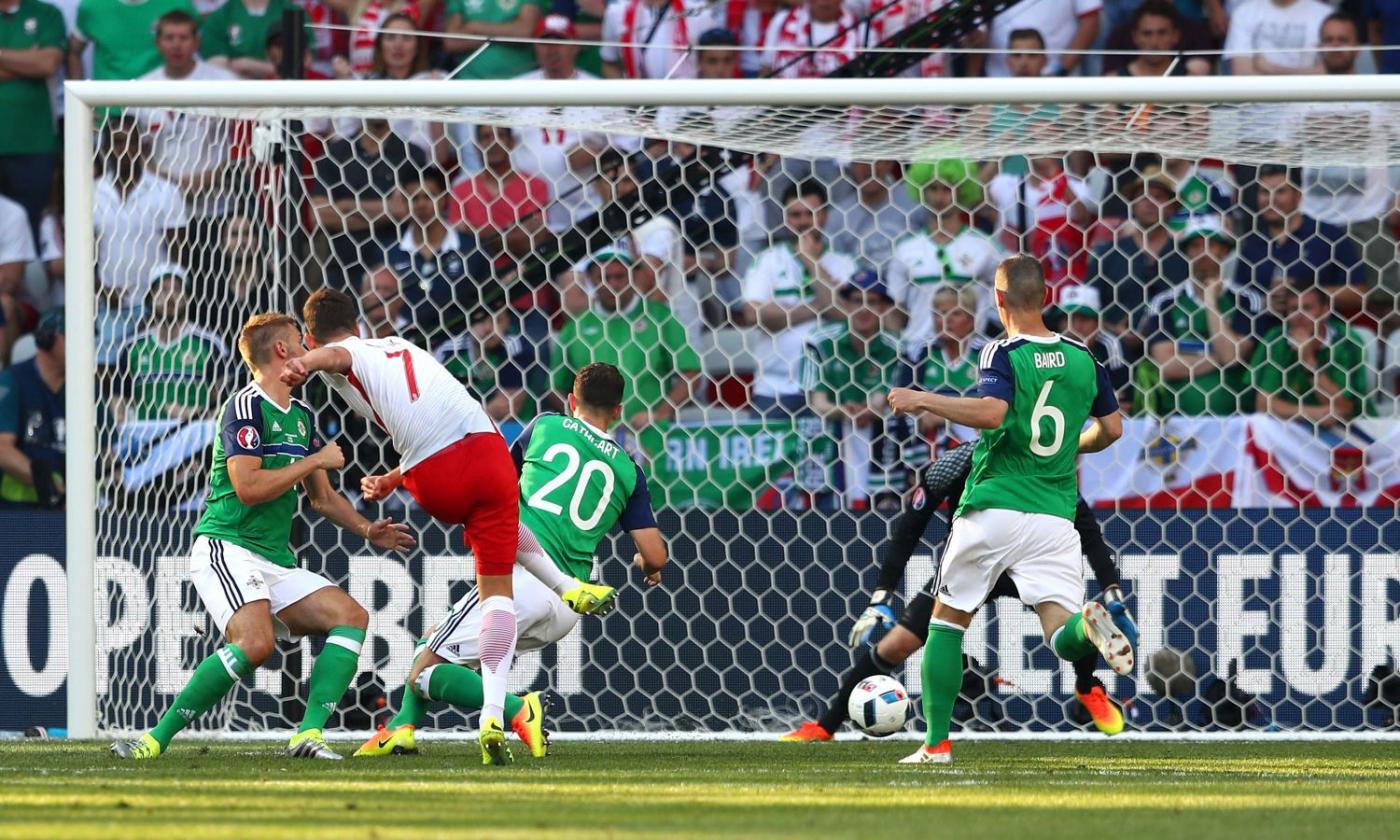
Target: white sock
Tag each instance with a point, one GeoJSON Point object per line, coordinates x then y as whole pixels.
{"type": "Point", "coordinates": [497, 645]}
{"type": "Point", "coordinates": [531, 557]}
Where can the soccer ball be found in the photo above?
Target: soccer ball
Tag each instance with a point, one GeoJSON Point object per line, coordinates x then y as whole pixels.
{"type": "Point", "coordinates": [880, 706]}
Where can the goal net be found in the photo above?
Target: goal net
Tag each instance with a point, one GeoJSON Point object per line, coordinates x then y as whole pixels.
{"type": "Point", "coordinates": [763, 273]}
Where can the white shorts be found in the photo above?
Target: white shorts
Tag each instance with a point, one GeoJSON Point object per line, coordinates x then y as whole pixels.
{"type": "Point", "coordinates": [1040, 552]}
{"type": "Point", "coordinates": [227, 576]}
{"type": "Point", "coordinates": [541, 619]}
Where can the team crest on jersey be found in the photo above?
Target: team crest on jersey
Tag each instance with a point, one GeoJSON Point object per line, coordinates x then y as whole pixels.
{"type": "Point", "coordinates": [248, 437]}
{"type": "Point", "coordinates": [30, 26]}
{"type": "Point", "coordinates": [301, 429]}
{"type": "Point", "coordinates": [235, 34]}
{"type": "Point", "coordinates": [920, 499]}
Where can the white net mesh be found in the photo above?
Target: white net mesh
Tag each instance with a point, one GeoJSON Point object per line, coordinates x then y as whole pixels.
{"type": "Point", "coordinates": [1242, 308]}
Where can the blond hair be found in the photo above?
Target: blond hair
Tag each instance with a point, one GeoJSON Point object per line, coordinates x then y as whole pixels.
{"type": "Point", "coordinates": [963, 295]}
{"type": "Point", "coordinates": [259, 333]}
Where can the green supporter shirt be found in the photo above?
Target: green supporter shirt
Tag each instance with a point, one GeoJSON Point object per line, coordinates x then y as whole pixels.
{"type": "Point", "coordinates": [234, 31]}
{"type": "Point", "coordinates": [1179, 316]}
{"type": "Point", "coordinates": [32, 25]}
{"type": "Point", "coordinates": [252, 424]}
{"type": "Point", "coordinates": [846, 369]}
{"type": "Point", "coordinates": [182, 373]}
{"type": "Point", "coordinates": [576, 483]}
{"type": "Point", "coordinates": [645, 342]}
{"type": "Point", "coordinates": [123, 34]}
{"type": "Point", "coordinates": [497, 61]}
{"type": "Point", "coordinates": [944, 375]}
{"type": "Point", "coordinates": [1052, 386]}
{"type": "Point", "coordinates": [1277, 370]}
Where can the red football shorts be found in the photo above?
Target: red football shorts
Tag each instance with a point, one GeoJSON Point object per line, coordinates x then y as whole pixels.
{"type": "Point", "coordinates": [472, 483]}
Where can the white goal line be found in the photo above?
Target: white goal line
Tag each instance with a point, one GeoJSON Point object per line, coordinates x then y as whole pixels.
{"type": "Point", "coordinates": [622, 735]}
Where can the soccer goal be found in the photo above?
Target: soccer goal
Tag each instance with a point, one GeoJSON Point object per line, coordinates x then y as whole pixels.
{"type": "Point", "coordinates": [709, 237]}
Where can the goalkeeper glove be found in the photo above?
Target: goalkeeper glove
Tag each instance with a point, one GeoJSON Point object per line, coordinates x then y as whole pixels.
{"type": "Point", "coordinates": [876, 621]}
{"type": "Point", "coordinates": [1118, 608]}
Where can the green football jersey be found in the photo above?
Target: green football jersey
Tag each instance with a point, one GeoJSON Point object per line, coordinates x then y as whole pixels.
{"type": "Point", "coordinates": [575, 484]}
{"type": "Point", "coordinates": [252, 424]}
{"type": "Point", "coordinates": [158, 375]}
{"type": "Point", "coordinates": [1053, 385]}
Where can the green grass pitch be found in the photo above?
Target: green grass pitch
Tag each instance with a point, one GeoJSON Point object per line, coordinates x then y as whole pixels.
{"type": "Point", "coordinates": [1082, 789]}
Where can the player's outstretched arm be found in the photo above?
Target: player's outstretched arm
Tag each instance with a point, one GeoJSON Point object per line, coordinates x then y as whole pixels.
{"type": "Point", "coordinates": [329, 359]}
{"type": "Point", "coordinates": [1102, 432]}
{"type": "Point", "coordinates": [977, 412]}
{"type": "Point", "coordinates": [651, 553]}
{"type": "Point", "coordinates": [255, 485]}
{"type": "Point", "coordinates": [385, 533]}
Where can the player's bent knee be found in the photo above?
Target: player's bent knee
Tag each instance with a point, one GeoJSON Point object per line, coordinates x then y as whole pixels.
{"type": "Point", "coordinates": [951, 615]}
{"type": "Point", "coordinates": [256, 646]}
{"type": "Point", "coordinates": [898, 645]}
{"type": "Point", "coordinates": [354, 615]}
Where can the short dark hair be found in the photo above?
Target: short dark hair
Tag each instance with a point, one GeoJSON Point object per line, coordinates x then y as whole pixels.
{"type": "Point", "coordinates": [599, 386]}
{"type": "Point", "coordinates": [1344, 18]}
{"type": "Point", "coordinates": [1156, 8]}
{"type": "Point", "coordinates": [803, 189]}
{"type": "Point", "coordinates": [414, 175]}
{"type": "Point", "coordinates": [1018, 34]}
{"type": "Point", "coordinates": [1292, 174]}
{"type": "Point", "coordinates": [1025, 283]}
{"type": "Point", "coordinates": [177, 17]}
{"type": "Point", "coordinates": [329, 313]}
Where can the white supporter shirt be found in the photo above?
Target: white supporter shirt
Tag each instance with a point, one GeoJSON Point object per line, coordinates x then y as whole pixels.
{"type": "Point", "coordinates": [16, 240]}
{"type": "Point", "coordinates": [920, 267]}
{"type": "Point", "coordinates": [1283, 35]}
{"type": "Point", "coordinates": [400, 386]}
{"type": "Point", "coordinates": [1343, 195]}
{"type": "Point", "coordinates": [1041, 204]}
{"type": "Point", "coordinates": [791, 34]}
{"type": "Point", "coordinates": [182, 144]}
{"type": "Point", "coordinates": [777, 276]}
{"type": "Point", "coordinates": [545, 152]}
{"type": "Point", "coordinates": [888, 17]}
{"type": "Point", "coordinates": [1055, 20]}
{"type": "Point", "coordinates": [131, 234]}
{"type": "Point", "coordinates": [655, 46]}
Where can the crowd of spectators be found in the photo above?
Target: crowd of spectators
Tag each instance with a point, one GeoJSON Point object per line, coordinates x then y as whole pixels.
{"type": "Point", "coordinates": [757, 287]}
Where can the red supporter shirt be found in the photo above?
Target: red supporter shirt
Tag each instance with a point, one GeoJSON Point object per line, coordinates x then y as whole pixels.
{"type": "Point", "coordinates": [483, 206]}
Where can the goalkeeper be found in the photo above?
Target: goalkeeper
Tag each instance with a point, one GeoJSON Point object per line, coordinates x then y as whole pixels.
{"type": "Point", "coordinates": [940, 481]}
{"type": "Point", "coordinates": [241, 562]}
{"type": "Point", "coordinates": [575, 484]}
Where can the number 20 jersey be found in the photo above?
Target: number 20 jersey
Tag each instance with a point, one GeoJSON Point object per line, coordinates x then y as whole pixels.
{"type": "Point", "coordinates": [1052, 385]}
{"type": "Point", "coordinates": [410, 395]}
{"type": "Point", "coordinates": [575, 484]}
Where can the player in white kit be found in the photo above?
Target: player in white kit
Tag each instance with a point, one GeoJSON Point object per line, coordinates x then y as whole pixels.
{"type": "Point", "coordinates": [454, 462]}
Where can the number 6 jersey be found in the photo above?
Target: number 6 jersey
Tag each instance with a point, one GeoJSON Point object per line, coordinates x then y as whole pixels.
{"type": "Point", "coordinates": [410, 395]}
{"type": "Point", "coordinates": [575, 484]}
{"type": "Point", "coordinates": [1052, 386]}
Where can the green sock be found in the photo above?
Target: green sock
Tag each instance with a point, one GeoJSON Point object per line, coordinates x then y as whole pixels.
{"type": "Point", "coordinates": [1071, 642]}
{"type": "Point", "coordinates": [943, 677]}
{"type": "Point", "coordinates": [412, 710]}
{"type": "Point", "coordinates": [210, 682]}
{"type": "Point", "coordinates": [461, 686]}
{"type": "Point", "coordinates": [331, 675]}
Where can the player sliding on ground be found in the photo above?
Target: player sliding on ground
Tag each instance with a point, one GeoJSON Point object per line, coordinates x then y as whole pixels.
{"type": "Point", "coordinates": [575, 484]}
{"type": "Point", "coordinates": [241, 562]}
{"type": "Point", "coordinates": [454, 463]}
{"type": "Point", "coordinates": [1038, 389]}
{"type": "Point", "coordinates": [893, 642]}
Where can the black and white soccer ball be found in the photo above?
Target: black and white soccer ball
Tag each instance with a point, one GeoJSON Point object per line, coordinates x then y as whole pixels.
{"type": "Point", "coordinates": [880, 706]}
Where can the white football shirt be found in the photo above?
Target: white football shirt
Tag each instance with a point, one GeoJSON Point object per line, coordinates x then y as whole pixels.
{"type": "Point", "coordinates": [400, 386]}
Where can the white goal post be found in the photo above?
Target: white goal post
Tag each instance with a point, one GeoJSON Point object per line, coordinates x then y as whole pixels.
{"type": "Point", "coordinates": [826, 102]}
